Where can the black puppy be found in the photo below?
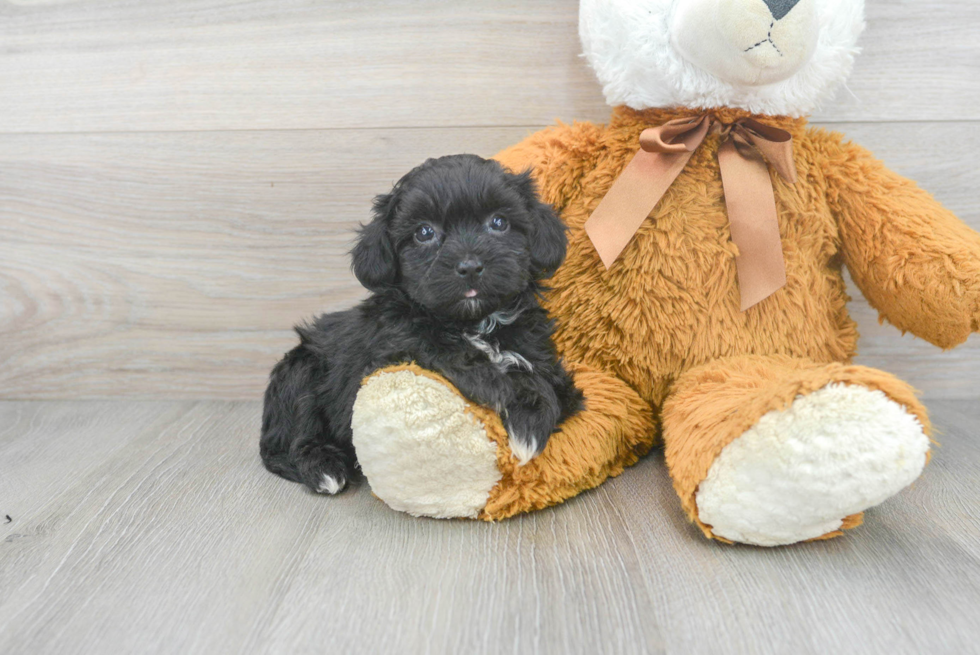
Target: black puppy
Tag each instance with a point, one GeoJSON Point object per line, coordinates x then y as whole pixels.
{"type": "Point", "coordinates": [453, 259]}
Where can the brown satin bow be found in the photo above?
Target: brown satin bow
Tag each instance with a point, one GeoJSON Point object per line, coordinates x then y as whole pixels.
{"type": "Point", "coordinates": [746, 146]}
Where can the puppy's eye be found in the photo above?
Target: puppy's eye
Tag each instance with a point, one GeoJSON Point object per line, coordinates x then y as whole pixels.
{"type": "Point", "coordinates": [498, 224]}
{"type": "Point", "coordinates": [425, 233]}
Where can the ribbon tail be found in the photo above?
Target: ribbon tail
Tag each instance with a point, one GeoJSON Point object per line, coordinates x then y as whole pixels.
{"type": "Point", "coordinates": [629, 202]}
{"type": "Point", "coordinates": [754, 224]}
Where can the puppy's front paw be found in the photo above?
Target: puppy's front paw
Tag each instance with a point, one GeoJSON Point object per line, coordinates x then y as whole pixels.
{"type": "Point", "coordinates": [527, 432]}
{"type": "Point", "coordinates": [524, 447]}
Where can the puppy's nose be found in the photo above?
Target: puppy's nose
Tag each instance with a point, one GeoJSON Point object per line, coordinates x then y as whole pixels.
{"type": "Point", "coordinates": [470, 268]}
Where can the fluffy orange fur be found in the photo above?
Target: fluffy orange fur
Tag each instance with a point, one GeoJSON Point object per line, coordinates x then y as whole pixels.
{"type": "Point", "coordinates": [613, 431]}
{"type": "Point", "coordinates": [665, 319]}
{"type": "Point", "coordinates": [659, 339]}
{"type": "Point", "coordinates": [711, 405]}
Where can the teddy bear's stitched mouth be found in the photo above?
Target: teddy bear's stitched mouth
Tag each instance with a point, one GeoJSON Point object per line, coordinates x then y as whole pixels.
{"type": "Point", "coordinates": [768, 40]}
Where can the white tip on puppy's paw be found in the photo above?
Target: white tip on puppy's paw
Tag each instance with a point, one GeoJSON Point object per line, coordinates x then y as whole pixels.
{"type": "Point", "coordinates": [524, 450]}
{"type": "Point", "coordinates": [330, 485]}
{"type": "Point", "coordinates": [798, 472]}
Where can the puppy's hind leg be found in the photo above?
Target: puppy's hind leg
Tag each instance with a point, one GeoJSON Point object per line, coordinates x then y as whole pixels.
{"type": "Point", "coordinates": [296, 441]}
{"type": "Point", "coordinates": [323, 467]}
{"type": "Point", "coordinates": [322, 462]}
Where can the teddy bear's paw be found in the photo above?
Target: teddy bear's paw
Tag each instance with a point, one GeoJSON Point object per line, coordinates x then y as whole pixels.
{"type": "Point", "coordinates": [420, 449]}
{"type": "Point", "coordinates": [798, 472]}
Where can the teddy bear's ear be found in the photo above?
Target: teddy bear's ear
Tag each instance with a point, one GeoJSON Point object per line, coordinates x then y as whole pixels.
{"type": "Point", "coordinates": [547, 234]}
{"type": "Point", "coordinates": [374, 259]}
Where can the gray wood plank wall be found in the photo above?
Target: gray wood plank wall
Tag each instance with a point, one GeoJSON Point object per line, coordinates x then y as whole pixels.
{"type": "Point", "coordinates": [179, 180]}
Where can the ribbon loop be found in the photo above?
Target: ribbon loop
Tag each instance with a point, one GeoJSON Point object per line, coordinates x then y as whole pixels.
{"type": "Point", "coordinates": [776, 146]}
{"type": "Point", "coordinates": [746, 147]}
{"type": "Point", "coordinates": [680, 135]}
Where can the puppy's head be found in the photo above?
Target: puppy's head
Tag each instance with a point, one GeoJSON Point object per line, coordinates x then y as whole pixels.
{"type": "Point", "coordinates": [461, 236]}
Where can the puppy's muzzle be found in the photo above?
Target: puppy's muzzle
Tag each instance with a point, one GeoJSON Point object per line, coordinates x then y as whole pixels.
{"type": "Point", "coordinates": [470, 268]}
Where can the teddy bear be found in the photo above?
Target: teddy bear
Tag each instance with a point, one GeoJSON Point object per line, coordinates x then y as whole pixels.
{"type": "Point", "coordinates": [702, 305]}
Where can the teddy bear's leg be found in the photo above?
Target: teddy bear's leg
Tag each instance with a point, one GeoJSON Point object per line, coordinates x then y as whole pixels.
{"type": "Point", "coordinates": [771, 451]}
{"type": "Point", "coordinates": [428, 451]}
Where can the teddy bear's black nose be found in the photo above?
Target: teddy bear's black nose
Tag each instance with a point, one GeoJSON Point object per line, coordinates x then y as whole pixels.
{"type": "Point", "coordinates": [779, 8]}
{"type": "Point", "coordinates": [469, 268]}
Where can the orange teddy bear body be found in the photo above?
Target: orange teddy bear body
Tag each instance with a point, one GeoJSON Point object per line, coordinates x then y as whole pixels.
{"type": "Point", "coordinates": [770, 434]}
{"type": "Point", "coordinates": [666, 318]}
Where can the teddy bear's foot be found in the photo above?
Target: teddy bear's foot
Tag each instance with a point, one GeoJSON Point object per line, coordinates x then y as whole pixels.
{"type": "Point", "coordinates": [421, 451]}
{"type": "Point", "coordinates": [428, 451]}
{"type": "Point", "coordinates": [798, 472]}
{"type": "Point", "coordinates": [786, 451]}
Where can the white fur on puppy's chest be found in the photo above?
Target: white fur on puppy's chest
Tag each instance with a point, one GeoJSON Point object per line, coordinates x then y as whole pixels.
{"type": "Point", "coordinates": [503, 359]}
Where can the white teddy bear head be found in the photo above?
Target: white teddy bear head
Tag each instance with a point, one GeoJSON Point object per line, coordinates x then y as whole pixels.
{"type": "Point", "coordinates": [779, 57]}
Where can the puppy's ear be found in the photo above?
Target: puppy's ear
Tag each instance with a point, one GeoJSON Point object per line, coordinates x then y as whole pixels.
{"type": "Point", "coordinates": [547, 234]}
{"type": "Point", "coordinates": [373, 259]}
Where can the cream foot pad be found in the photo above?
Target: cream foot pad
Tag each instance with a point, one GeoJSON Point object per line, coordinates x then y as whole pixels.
{"type": "Point", "coordinates": [421, 450]}
{"type": "Point", "coordinates": [798, 472]}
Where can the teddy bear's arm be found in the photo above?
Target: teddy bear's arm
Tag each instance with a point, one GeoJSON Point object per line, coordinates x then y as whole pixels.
{"type": "Point", "coordinates": [557, 157]}
{"type": "Point", "coordinates": [914, 260]}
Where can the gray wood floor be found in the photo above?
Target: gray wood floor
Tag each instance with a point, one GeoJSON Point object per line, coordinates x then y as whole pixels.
{"type": "Point", "coordinates": [151, 527]}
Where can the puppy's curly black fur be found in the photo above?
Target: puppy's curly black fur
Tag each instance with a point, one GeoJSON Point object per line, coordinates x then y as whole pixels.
{"type": "Point", "coordinates": [454, 258]}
